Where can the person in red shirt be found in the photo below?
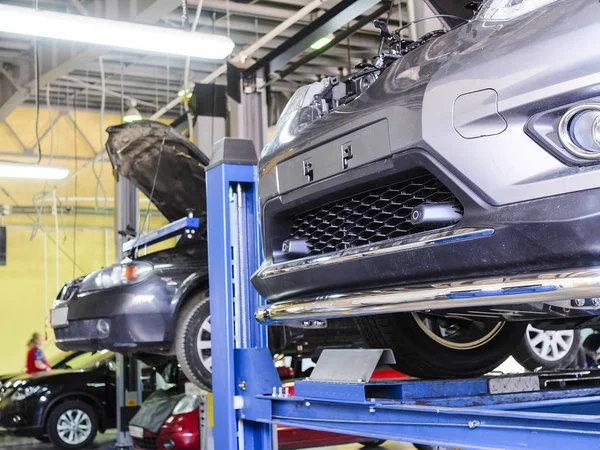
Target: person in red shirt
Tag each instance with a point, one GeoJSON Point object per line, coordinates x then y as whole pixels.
{"type": "Point", "coordinates": [36, 360]}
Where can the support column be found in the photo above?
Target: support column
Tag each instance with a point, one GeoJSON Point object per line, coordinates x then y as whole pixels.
{"type": "Point", "coordinates": [129, 396]}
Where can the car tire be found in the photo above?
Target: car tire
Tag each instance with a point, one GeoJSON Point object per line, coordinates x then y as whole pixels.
{"type": "Point", "coordinates": [547, 349]}
{"type": "Point", "coordinates": [373, 444]}
{"type": "Point", "coordinates": [78, 415]}
{"type": "Point", "coordinates": [192, 341]}
{"type": "Point", "coordinates": [473, 350]}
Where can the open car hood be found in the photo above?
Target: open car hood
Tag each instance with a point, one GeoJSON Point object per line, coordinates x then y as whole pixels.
{"type": "Point", "coordinates": [162, 164]}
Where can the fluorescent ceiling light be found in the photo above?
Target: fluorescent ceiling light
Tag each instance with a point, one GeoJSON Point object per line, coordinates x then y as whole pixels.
{"type": "Point", "coordinates": [322, 42]}
{"type": "Point", "coordinates": [32, 171]}
{"type": "Point", "coordinates": [48, 24]}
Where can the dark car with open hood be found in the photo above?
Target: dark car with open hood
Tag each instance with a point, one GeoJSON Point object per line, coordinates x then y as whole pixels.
{"type": "Point", "coordinates": [156, 305]}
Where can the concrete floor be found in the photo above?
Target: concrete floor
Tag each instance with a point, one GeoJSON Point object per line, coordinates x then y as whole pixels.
{"type": "Point", "coordinates": [103, 441]}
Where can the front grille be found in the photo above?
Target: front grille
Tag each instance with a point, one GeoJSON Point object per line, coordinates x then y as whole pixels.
{"type": "Point", "coordinates": [145, 443]}
{"type": "Point", "coordinates": [368, 217]}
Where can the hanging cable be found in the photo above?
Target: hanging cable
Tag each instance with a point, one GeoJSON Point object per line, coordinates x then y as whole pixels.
{"type": "Point", "coordinates": [75, 181]}
{"type": "Point", "coordinates": [36, 75]}
{"type": "Point", "coordinates": [99, 184]}
{"type": "Point", "coordinates": [184, 13]}
{"type": "Point", "coordinates": [186, 74]}
{"type": "Point", "coordinates": [147, 214]}
{"type": "Point", "coordinates": [12, 199]}
{"type": "Point", "coordinates": [45, 287]}
{"type": "Point", "coordinates": [40, 198]}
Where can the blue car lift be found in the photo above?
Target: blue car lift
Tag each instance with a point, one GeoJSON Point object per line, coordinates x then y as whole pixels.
{"type": "Point", "coordinates": [533, 411]}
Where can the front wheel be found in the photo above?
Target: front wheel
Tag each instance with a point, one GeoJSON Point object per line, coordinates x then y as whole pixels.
{"type": "Point", "coordinates": [72, 425]}
{"type": "Point", "coordinates": [193, 341]}
{"type": "Point", "coordinates": [428, 346]}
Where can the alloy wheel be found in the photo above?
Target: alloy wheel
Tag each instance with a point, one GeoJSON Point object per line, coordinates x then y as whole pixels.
{"type": "Point", "coordinates": [204, 345]}
{"type": "Point", "coordinates": [550, 345]}
{"type": "Point", "coordinates": [458, 334]}
{"type": "Point", "coordinates": [74, 426]}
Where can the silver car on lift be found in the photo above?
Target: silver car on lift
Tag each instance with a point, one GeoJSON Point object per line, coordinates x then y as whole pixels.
{"type": "Point", "coordinates": [449, 191]}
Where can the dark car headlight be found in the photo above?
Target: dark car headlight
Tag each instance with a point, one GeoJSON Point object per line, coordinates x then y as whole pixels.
{"type": "Point", "coordinates": [22, 393]}
{"type": "Point", "coordinates": [117, 275]}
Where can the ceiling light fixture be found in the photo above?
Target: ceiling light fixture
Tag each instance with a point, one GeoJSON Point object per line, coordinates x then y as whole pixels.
{"type": "Point", "coordinates": [135, 36]}
{"type": "Point", "coordinates": [32, 171]}
{"type": "Point", "coordinates": [132, 115]}
{"type": "Point", "coordinates": [319, 44]}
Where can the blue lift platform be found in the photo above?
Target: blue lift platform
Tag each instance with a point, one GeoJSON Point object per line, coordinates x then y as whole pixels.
{"type": "Point", "coordinates": [530, 411]}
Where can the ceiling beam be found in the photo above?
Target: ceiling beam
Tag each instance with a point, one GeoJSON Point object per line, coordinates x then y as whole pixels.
{"type": "Point", "coordinates": [53, 64]}
{"type": "Point", "coordinates": [156, 9]}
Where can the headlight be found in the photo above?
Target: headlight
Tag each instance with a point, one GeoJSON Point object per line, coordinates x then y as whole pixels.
{"type": "Point", "coordinates": [24, 392]}
{"type": "Point", "coordinates": [187, 404]}
{"type": "Point", "coordinates": [509, 9]}
{"type": "Point", "coordinates": [579, 131]}
{"type": "Point", "coordinates": [117, 275]}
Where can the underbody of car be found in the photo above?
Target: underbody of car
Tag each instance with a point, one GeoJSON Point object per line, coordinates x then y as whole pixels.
{"type": "Point", "coordinates": [457, 193]}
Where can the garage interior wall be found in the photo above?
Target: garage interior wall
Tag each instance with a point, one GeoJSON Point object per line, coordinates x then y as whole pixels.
{"type": "Point", "coordinates": [34, 270]}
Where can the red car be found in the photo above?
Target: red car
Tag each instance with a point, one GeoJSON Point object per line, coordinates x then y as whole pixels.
{"type": "Point", "coordinates": [180, 430]}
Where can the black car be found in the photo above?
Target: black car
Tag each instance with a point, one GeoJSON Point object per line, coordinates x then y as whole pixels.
{"type": "Point", "coordinates": [156, 305]}
{"type": "Point", "coordinates": [66, 406]}
{"type": "Point", "coordinates": [58, 362]}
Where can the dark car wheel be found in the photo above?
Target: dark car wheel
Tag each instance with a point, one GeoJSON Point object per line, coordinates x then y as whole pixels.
{"type": "Point", "coordinates": [72, 425]}
{"type": "Point", "coordinates": [547, 349]}
{"type": "Point", "coordinates": [192, 344]}
{"type": "Point", "coordinates": [434, 347]}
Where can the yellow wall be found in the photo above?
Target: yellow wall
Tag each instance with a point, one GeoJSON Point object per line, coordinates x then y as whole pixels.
{"type": "Point", "coordinates": [29, 281]}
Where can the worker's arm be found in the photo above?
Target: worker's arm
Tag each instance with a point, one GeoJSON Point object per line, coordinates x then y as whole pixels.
{"type": "Point", "coordinates": [39, 360]}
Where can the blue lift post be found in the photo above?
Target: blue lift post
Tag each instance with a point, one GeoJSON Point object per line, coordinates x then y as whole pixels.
{"type": "Point", "coordinates": [533, 411]}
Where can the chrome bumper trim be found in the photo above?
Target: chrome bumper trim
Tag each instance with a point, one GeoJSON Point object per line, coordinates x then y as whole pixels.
{"type": "Point", "coordinates": [366, 251]}
{"type": "Point", "coordinates": [531, 288]}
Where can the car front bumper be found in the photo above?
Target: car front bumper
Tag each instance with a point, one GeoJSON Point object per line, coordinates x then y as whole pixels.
{"type": "Point", "coordinates": [549, 234]}
{"type": "Point", "coordinates": [21, 418]}
{"type": "Point", "coordinates": [134, 317]}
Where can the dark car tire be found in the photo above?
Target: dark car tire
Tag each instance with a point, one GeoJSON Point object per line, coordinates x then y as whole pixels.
{"type": "Point", "coordinates": [418, 354]}
{"type": "Point", "coordinates": [529, 352]}
{"type": "Point", "coordinates": [373, 444]}
{"type": "Point", "coordinates": [67, 412]}
{"type": "Point", "coordinates": [196, 362]}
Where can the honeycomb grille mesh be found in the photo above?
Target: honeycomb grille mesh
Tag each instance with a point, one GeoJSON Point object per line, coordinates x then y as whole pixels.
{"type": "Point", "coordinates": [368, 217]}
{"type": "Point", "coordinates": [145, 443]}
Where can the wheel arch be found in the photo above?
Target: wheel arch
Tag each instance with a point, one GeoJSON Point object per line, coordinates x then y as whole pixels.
{"type": "Point", "coordinates": [195, 282]}
{"type": "Point", "coordinates": [81, 396]}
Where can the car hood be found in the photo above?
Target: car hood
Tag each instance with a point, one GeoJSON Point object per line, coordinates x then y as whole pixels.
{"type": "Point", "coordinates": [162, 164]}
{"type": "Point", "coordinates": [69, 376]}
